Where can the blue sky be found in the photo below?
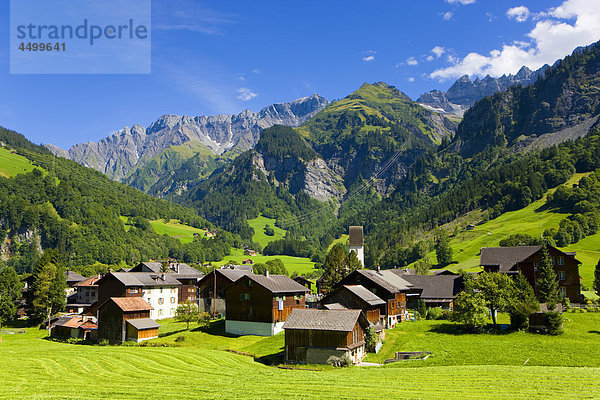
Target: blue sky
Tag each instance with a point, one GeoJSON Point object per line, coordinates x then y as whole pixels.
{"type": "Point", "coordinates": [212, 57]}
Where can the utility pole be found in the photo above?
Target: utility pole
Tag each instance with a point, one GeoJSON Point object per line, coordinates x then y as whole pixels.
{"type": "Point", "coordinates": [214, 292]}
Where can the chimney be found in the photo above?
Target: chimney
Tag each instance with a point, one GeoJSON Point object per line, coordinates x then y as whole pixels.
{"type": "Point", "coordinates": [267, 273]}
{"type": "Point", "coordinates": [162, 276]}
{"type": "Point", "coordinates": [378, 269]}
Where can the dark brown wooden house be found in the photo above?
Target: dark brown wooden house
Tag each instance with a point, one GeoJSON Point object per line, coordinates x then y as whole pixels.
{"type": "Point", "coordinates": [358, 297]}
{"type": "Point", "coordinates": [259, 304]}
{"type": "Point", "coordinates": [386, 285]}
{"type": "Point", "coordinates": [315, 336]}
{"type": "Point", "coordinates": [526, 260]}
{"type": "Point", "coordinates": [435, 290]}
{"type": "Point", "coordinates": [126, 318]}
{"type": "Point", "coordinates": [74, 327]}
{"type": "Point", "coordinates": [208, 301]}
{"type": "Point", "coordinates": [307, 283]}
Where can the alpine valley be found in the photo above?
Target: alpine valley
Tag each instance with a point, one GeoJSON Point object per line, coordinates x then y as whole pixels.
{"type": "Point", "coordinates": [401, 168]}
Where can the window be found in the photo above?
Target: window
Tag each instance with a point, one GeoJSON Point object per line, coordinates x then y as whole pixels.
{"type": "Point", "coordinates": [552, 261]}
{"type": "Point", "coordinates": [160, 312]}
{"type": "Point", "coordinates": [160, 290]}
{"type": "Point", "coordinates": [148, 300]}
{"type": "Point", "coordinates": [561, 275]}
{"type": "Point", "coordinates": [283, 298]}
{"type": "Point", "coordinates": [563, 291]}
{"type": "Point", "coordinates": [133, 290]}
{"type": "Point", "coordinates": [172, 300]}
{"type": "Point", "coordinates": [561, 260]}
{"type": "Point", "coordinates": [245, 296]}
{"type": "Point", "coordinates": [161, 301]}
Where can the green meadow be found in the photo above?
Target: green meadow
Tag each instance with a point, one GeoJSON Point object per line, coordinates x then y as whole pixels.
{"type": "Point", "coordinates": [201, 367]}
{"type": "Point", "coordinates": [13, 164]}
{"type": "Point", "coordinates": [531, 220]}
{"type": "Point", "coordinates": [258, 224]}
{"type": "Point", "coordinates": [299, 265]}
{"type": "Point", "coordinates": [173, 228]}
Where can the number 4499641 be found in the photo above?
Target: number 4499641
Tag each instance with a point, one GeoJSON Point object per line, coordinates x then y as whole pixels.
{"type": "Point", "coordinates": [42, 46]}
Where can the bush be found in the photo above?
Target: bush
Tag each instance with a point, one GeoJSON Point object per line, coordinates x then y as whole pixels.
{"type": "Point", "coordinates": [180, 339]}
{"type": "Point", "coordinates": [519, 321]}
{"type": "Point", "coordinates": [338, 361]}
{"type": "Point", "coordinates": [371, 339]}
{"type": "Point", "coordinates": [104, 342]}
{"type": "Point", "coordinates": [554, 322]}
{"type": "Point", "coordinates": [434, 313]}
{"type": "Point", "coordinates": [130, 343]}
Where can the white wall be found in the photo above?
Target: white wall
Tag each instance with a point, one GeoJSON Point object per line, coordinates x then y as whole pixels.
{"type": "Point", "coordinates": [360, 253]}
{"type": "Point", "coordinates": [169, 296]}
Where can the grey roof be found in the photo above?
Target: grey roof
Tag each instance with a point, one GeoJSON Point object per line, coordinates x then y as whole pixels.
{"type": "Point", "coordinates": [143, 323]}
{"type": "Point", "coordinates": [334, 306]}
{"type": "Point", "coordinates": [145, 279]}
{"type": "Point", "coordinates": [73, 276]}
{"type": "Point", "coordinates": [356, 236]}
{"type": "Point", "coordinates": [386, 279]}
{"type": "Point", "coordinates": [236, 267]}
{"type": "Point", "coordinates": [506, 258]}
{"type": "Point", "coordinates": [436, 286]}
{"type": "Point", "coordinates": [365, 294]}
{"type": "Point", "coordinates": [184, 271]}
{"type": "Point", "coordinates": [322, 320]}
{"type": "Point", "coordinates": [234, 274]}
{"type": "Point", "coordinates": [278, 283]}
{"type": "Point", "coordinates": [148, 267]}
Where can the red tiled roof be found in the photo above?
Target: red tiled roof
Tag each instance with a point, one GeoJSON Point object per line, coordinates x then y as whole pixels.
{"type": "Point", "coordinates": [132, 303]}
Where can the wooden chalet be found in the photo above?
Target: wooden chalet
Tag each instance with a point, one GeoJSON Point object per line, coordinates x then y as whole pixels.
{"type": "Point", "coordinates": [315, 336]}
{"type": "Point", "coordinates": [526, 260]}
{"type": "Point", "coordinates": [213, 303]}
{"type": "Point", "coordinates": [435, 290]}
{"type": "Point", "coordinates": [159, 289]}
{"type": "Point", "coordinates": [186, 275]}
{"type": "Point", "coordinates": [126, 318]}
{"type": "Point", "coordinates": [386, 285]}
{"type": "Point", "coordinates": [359, 298]}
{"type": "Point", "coordinates": [250, 252]}
{"type": "Point", "coordinates": [260, 304]}
{"type": "Point", "coordinates": [74, 327]}
{"type": "Point", "coordinates": [86, 294]}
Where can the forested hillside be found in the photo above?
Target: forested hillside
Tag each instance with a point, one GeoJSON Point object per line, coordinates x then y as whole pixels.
{"type": "Point", "coordinates": [62, 205]}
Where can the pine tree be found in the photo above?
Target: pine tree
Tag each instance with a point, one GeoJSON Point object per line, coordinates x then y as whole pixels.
{"type": "Point", "coordinates": [10, 292]}
{"type": "Point", "coordinates": [597, 278]}
{"type": "Point", "coordinates": [353, 263]}
{"type": "Point", "coordinates": [47, 294]}
{"type": "Point", "coordinates": [547, 283]}
{"type": "Point", "coordinates": [443, 251]}
{"type": "Point", "coordinates": [335, 265]}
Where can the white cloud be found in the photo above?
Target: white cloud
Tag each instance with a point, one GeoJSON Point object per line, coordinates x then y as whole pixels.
{"type": "Point", "coordinates": [412, 61]}
{"type": "Point", "coordinates": [368, 58]}
{"type": "Point", "coordinates": [556, 34]}
{"type": "Point", "coordinates": [438, 51]}
{"type": "Point", "coordinates": [430, 58]}
{"type": "Point", "coordinates": [463, 2]}
{"type": "Point", "coordinates": [256, 71]}
{"type": "Point", "coordinates": [519, 14]}
{"type": "Point", "coordinates": [411, 79]}
{"type": "Point", "coordinates": [447, 16]}
{"type": "Point", "coordinates": [246, 94]}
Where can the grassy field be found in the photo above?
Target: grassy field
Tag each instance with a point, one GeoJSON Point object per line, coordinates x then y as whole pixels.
{"type": "Point", "coordinates": [531, 220]}
{"type": "Point", "coordinates": [342, 239]}
{"type": "Point", "coordinates": [258, 224]}
{"type": "Point", "coordinates": [173, 228]}
{"type": "Point", "coordinates": [13, 164]}
{"type": "Point", "coordinates": [299, 265]}
{"type": "Point", "coordinates": [476, 367]}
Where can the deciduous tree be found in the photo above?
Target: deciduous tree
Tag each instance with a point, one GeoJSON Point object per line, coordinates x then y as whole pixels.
{"type": "Point", "coordinates": [10, 292]}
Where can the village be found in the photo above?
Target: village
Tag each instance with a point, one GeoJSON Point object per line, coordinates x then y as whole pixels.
{"type": "Point", "coordinates": [322, 326]}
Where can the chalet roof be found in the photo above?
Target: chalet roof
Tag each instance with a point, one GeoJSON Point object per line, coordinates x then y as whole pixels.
{"type": "Point", "coordinates": [130, 303]}
{"type": "Point", "coordinates": [179, 270]}
{"type": "Point", "coordinates": [322, 320]}
{"type": "Point", "coordinates": [91, 281]}
{"type": "Point", "coordinates": [278, 283]}
{"type": "Point", "coordinates": [386, 279]}
{"type": "Point", "coordinates": [506, 258]}
{"type": "Point", "coordinates": [143, 323]}
{"type": "Point", "coordinates": [356, 236]}
{"type": "Point", "coordinates": [334, 306]}
{"type": "Point", "coordinates": [74, 321]}
{"type": "Point", "coordinates": [145, 279]}
{"type": "Point", "coordinates": [365, 294]}
{"type": "Point", "coordinates": [436, 286]}
{"type": "Point", "coordinates": [71, 276]}
{"type": "Point", "coordinates": [234, 267]}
